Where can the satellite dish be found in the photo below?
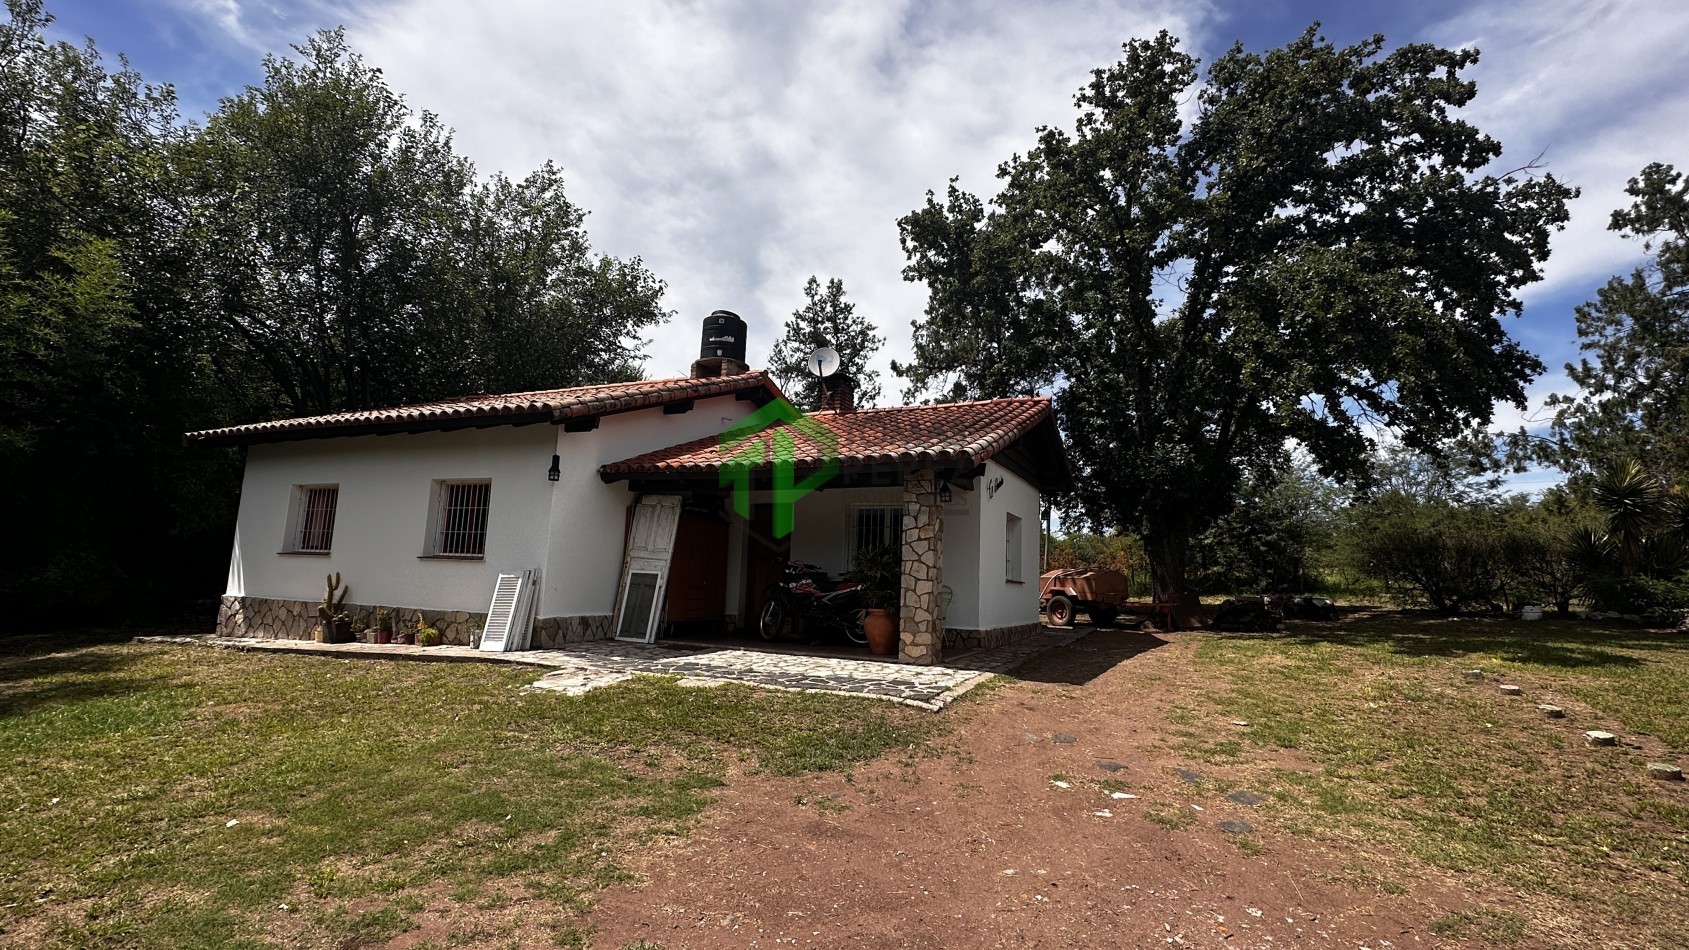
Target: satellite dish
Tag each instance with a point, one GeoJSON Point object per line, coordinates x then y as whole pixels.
{"type": "Point", "coordinates": [824, 361]}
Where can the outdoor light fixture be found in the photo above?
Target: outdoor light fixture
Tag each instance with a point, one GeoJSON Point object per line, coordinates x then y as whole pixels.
{"type": "Point", "coordinates": [556, 471]}
{"type": "Point", "coordinates": [944, 493]}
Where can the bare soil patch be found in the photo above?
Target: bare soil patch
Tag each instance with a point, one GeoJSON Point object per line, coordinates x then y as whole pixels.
{"type": "Point", "coordinates": [980, 845]}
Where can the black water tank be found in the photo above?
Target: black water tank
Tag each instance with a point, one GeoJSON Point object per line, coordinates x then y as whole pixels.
{"type": "Point", "coordinates": [724, 336]}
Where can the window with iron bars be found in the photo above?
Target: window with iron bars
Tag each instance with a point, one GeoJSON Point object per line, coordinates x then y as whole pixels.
{"type": "Point", "coordinates": [314, 524]}
{"type": "Point", "coordinates": [873, 527]}
{"type": "Point", "coordinates": [461, 523]}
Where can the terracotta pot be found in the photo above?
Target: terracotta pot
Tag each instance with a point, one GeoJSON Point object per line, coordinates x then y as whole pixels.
{"type": "Point", "coordinates": [881, 628]}
{"type": "Point", "coordinates": [383, 636]}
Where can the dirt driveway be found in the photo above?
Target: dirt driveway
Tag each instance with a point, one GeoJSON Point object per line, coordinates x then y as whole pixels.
{"type": "Point", "coordinates": [982, 846]}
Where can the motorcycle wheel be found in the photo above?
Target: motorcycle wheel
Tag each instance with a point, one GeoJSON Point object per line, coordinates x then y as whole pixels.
{"type": "Point", "coordinates": [772, 624]}
{"type": "Point", "coordinates": [855, 632]}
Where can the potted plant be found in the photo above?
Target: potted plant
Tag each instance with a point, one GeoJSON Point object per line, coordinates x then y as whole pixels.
{"type": "Point", "coordinates": [879, 572]}
{"type": "Point", "coordinates": [383, 632]}
{"type": "Point", "coordinates": [334, 625]}
{"type": "Point", "coordinates": [360, 628]}
{"type": "Point", "coordinates": [408, 636]}
{"type": "Point", "coordinates": [428, 637]}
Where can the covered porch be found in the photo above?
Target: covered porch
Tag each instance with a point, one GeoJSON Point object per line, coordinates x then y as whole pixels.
{"type": "Point", "coordinates": [955, 488]}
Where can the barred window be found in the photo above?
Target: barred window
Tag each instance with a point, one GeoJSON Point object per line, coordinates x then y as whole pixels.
{"type": "Point", "coordinates": [461, 521]}
{"type": "Point", "coordinates": [875, 527]}
{"type": "Point", "coordinates": [314, 519]}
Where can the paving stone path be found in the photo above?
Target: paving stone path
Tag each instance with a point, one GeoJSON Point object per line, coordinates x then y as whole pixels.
{"type": "Point", "coordinates": [581, 667]}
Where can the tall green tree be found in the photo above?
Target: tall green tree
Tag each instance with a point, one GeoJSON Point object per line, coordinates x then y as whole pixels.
{"type": "Point", "coordinates": [330, 221]}
{"type": "Point", "coordinates": [354, 260]}
{"type": "Point", "coordinates": [1633, 405]}
{"type": "Point", "coordinates": [548, 312]}
{"type": "Point", "coordinates": [1318, 253]}
{"type": "Point", "coordinates": [1275, 538]}
{"type": "Point", "coordinates": [826, 319]}
{"type": "Point", "coordinates": [99, 367]}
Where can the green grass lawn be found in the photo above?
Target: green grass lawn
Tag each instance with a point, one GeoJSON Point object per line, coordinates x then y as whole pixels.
{"type": "Point", "coordinates": [159, 796]}
{"type": "Point", "coordinates": [1407, 755]}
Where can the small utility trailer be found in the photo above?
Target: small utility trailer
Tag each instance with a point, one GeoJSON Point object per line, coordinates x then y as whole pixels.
{"type": "Point", "coordinates": [1098, 591]}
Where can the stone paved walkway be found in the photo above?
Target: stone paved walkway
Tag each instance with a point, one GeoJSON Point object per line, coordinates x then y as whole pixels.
{"type": "Point", "coordinates": [581, 667]}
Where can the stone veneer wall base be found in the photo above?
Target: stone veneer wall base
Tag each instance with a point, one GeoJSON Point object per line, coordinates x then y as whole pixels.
{"type": "Point", "coordinates": [957, 638]}
{"type": "Point", "coordinates": [268, 618]}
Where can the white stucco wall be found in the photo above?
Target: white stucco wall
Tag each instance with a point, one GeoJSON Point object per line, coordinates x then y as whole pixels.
{"type": "Point", "coordinates": [382, 515]}
{"type": "Point", "coordinates": [571, 529]}
{"type": "Point", "coordinates": [587, 532]}
{"type": "Point", "coordinates": [961, 558]}
{"type": "Point", "coordinates": [822, 523]}
{"type": "Point", "coordinates": [1003, 603]}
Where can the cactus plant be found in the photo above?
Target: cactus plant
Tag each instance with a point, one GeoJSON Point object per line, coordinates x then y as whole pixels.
{"type": "Point", "coordinates": [333, 609]}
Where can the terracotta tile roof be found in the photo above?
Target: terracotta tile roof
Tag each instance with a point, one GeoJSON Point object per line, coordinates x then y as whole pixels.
{"type": "Point", "coordinates": [961, 435]}
{"type": "Point", "coordinates": [546, 405]}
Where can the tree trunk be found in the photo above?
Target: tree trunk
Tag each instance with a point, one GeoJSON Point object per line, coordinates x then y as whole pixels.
{"type": "Point", "coordinates": [1167, 549]}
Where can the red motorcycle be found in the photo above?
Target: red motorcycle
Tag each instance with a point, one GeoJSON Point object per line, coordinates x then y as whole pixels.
{"type": "Point", "coordinates": [809, 602]}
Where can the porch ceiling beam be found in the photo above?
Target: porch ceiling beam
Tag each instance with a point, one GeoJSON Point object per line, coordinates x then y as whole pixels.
{"type": "Point", "coordinates": [679, 407]}
{"type": "Point", "coordinates": [580, 424]}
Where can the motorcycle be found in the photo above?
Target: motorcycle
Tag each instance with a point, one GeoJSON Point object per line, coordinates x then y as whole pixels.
{"type": "Point", "coordinates": [809, 601]}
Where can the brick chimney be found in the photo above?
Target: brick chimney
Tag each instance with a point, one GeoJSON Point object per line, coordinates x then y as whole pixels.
{"type": "Point", "coordinates": [838, 393]}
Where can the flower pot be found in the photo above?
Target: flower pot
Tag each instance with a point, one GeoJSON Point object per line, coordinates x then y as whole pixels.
{"type": "Point", "coordinates": [881, 628]}
{"type": "Point", "coordinates": [381, 636]}
{"type": "Point", "coordinates": [342, 631]}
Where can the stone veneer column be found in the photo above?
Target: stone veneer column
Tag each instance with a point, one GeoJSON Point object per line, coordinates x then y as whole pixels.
{"type": "Point", "coordinates": [920, 638]}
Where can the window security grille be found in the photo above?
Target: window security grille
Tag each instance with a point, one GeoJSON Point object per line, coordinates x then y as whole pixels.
{"type": "Point", "coordinates": [316, 519]}
{"type": "Point", "coordinates": [876, 527]}
{"type": "Point", "coordinates": [463, 518]}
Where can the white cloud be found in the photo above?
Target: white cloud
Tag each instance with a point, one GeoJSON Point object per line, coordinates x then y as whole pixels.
{"type": "Point", "coordinates": [1597, 88]}
{"type": "Point", "coordinates": [741, 147]}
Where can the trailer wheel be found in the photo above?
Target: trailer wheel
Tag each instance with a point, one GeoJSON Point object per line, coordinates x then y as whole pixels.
{"type": "Point", "coordinates": [1060, 610]}
{"type": "Point", "coordinates": [1104, 616]}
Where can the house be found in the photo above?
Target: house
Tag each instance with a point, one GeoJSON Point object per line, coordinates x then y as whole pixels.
{"type": "Point", "coordinates": [648, 509]}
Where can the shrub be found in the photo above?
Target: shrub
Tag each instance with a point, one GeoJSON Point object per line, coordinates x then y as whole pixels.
{"type": "Point", "coordinates": [1445, 556]}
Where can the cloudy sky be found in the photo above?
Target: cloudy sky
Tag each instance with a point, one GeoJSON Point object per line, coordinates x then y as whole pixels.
{"type": "Point", "coordinates": [739, 147]}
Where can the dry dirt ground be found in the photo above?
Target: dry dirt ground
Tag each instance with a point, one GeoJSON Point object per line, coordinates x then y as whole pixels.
{"type": "Point", "coordinates": [979, 846]}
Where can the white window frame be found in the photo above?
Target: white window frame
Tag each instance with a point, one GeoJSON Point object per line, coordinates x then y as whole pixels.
{"type": "Point", "coordinates": [440, 522]}
{"type": "Point", "coordinates": [1014, 549]}
{"type": "Point", "coordinates": [894, 516]}
{"type": "Point", "coordinates": [299, 521]}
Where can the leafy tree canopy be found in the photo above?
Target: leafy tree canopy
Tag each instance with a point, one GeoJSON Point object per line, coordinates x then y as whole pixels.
{"type": "Point", "coordinates": [826, 319]}
{"type": "Point", "coordinates": [1319, 252]}
{"type": "Point", "coordinates": [313, 247]}
{"type": "Point", "coordinates": [354, 260]}
{"type": "Point", "coordinates": [1634, 400]}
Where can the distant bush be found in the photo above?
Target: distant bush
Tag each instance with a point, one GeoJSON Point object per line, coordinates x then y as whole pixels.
{"type": "Point", "coordinates": [1445, 556]}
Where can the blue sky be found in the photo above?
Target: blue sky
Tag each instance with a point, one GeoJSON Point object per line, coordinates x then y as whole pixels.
{"type": "Point", "coordinates": [738, 147]}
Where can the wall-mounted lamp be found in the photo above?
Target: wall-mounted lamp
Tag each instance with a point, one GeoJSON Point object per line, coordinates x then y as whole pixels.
{"type": "Point", "coordinates": [992, 486]}
{"type": "Point", "coordinates": [556, 471]}
{"type": "Point", "coordinates": [944, 493]}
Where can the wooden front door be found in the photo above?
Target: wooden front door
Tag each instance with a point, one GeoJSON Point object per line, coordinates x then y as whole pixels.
{"type": "Point", "coordinates": [698, 570]}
